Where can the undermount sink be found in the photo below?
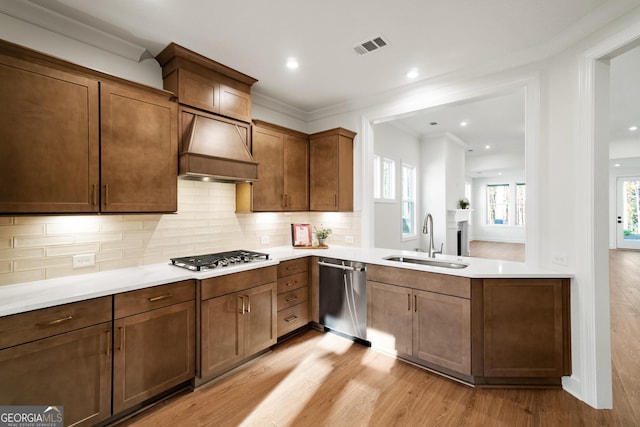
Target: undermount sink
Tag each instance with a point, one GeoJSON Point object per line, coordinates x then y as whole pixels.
{"type": "Point", "coordinates": [422, 261]}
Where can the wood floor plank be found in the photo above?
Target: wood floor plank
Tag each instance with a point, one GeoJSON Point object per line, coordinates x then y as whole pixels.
{"type": "Point", "coordinates": [318, 379]}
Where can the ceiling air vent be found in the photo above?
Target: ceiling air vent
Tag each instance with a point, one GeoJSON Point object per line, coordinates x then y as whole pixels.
{"type": "Point", "coordinates": [371, 45]}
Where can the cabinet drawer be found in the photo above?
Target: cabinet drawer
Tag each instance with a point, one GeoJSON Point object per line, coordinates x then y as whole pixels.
{"type": "Point", "coordinates": [146, 299]}
{"type": "Point", "coordinates": [292, 318]}
{"type": "Point", "coordinates": [292, 298]}
{"type": "Point", "coordinates": [286, 284]}
{"type": "Point", "coordinates": [236, 282]}
{"type": "Point", "coordinates": [24, 327]}
{"type": "Point", "coordinates": [293, 266]}
{"type": "Point", "coordinates": [421, 280]}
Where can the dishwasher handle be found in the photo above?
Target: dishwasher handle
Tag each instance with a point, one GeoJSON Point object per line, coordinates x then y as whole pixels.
{"type": "Point", "coordinates": [343, 267]}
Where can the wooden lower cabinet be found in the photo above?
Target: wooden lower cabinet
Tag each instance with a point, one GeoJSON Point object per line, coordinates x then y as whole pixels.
{"type": "Point", "coordinates": [59, 356]}
{"type": "Point", "coordinates": [442, 330]}
{"type": "Point", "coordinates": [526, 328]}
{"type": "Point", "coordinates": [493, 332]}
{"type": "Point", "coordinates": [293, 295]}
{"type": "Point", "coordinates": [236, 326]}
{"type": "Point", "coordinates": [390, 318]}
{"type": "Point", "coordinates": [154, 350]}
{"type": "Point", "coordinates": [428, 326]}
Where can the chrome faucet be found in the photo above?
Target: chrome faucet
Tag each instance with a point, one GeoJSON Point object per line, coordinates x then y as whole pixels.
{"type": "Point", "coordinates": [427, 228]}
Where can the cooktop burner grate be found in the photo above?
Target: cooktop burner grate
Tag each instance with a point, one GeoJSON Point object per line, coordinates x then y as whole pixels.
{"type": "Point", "coordinates": [221, 259]}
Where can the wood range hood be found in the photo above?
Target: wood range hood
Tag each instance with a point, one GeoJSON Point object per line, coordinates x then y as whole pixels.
{"type": "Point", "coordinates": [214, 116]}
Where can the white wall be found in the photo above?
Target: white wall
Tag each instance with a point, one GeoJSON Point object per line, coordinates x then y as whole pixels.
{"type": "Point", "coordinates": [401, 147]}
{"type": "Point", "coordinates": [443, 184]}
{"type": "Point", "coordinates": [492, 232]}
{"type": "Point", "coordinates": [16, 31]}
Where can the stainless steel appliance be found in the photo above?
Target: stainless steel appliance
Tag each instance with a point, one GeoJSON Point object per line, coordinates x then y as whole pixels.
{"type": "Point", "coordinates": [343, 297]}
{"type": "Point", "coordinates": [216, 260]}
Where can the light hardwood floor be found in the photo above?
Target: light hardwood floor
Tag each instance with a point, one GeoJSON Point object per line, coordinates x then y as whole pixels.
{"type": "Point", "coordinates": [320, 379]}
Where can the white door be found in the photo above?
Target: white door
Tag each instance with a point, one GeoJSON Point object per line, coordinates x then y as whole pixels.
{"type": "Point", "coordinates": [628, 213]}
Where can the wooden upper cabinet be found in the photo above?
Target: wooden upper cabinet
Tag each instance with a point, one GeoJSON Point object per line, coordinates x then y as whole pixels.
{"type": "Point", "coordinates": [331, 171]}
{"type": "Point", "coordinates": [139, 150]}
{"type": "Point", "coordinates": [197, 91]}
{"type": "Point", "coordinates": [283, 172]}
{"type": "Point", "coordinates": [268, 151]}
{"type": "Point", "coordinates": [49, 139]}
{"type": "Point", "coordinates": [206, 84]}
{"type": "Point", "coordinates": [296, 173]}
{"type": "Point", "coordinates": [74, 140]}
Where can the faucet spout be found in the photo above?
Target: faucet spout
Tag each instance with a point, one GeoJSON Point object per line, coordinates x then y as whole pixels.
{"type": "Point", "coordinates": [427, 228]}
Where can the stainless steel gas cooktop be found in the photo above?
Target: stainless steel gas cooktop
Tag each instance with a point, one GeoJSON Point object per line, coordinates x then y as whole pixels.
{"type": "Point", "coordinates": [221, 259]}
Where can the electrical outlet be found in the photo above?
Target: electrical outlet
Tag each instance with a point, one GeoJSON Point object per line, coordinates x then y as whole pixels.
{"type": "Point", "coordinates": [559, 259]}
{"type": "Point", "coordinates": [84, 260]}
{"type": "Point", "coordinates": [264, 240]}
{"type": "Point", "coordinates": [348, 239]}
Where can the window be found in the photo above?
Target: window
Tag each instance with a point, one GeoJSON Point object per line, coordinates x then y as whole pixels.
{"type": "Point", "coordinates": [498, 204]}
{"type": "Point", "coordinates": [521, 193]}
{"type": "Point", "coordinates": [408, 201]}
{"type": "Point", "coordinates": [384, 178]}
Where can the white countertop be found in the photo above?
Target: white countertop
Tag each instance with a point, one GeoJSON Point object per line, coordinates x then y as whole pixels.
{"type": "Point", "coordinates": [29, 296]}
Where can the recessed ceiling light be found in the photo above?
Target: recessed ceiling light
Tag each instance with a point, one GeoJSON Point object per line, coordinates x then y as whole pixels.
{"type": "Point", "coordinates": [617, 165]}
{"type": "Point", "coordinates": [633, 128]}
{"type": "Point", "coordinates": [463, 124]}
{"type": "Point", "coordinates": [292, 63]}
{"type": "Point", "coordinates": [412, 74]}
{"type": "Point", "coordinates": [487, 147]}
{"type": "Point", "coordinates": [499, 173]}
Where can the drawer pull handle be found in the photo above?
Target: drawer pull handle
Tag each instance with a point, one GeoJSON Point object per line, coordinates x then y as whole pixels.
{"type": "Point", "coordinates": [160, 297]}
{"type": "Point", "coordinates": [54, 322]}
{"type": "Point", "coordinates": [291, 299]}
{"type": "Point", "coordinates": [291, 318]}
{"type": "Point", "coordinates": [291, 284]}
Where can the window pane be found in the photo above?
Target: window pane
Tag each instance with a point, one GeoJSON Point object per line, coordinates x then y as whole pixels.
{"type": "Point", "coordinates": [388, 179]}
{"type": "Point", "coordinates": [408, 200]}
{"type": "Point", "coordinates": [521, 193]}
{"type": "Point", "coordinates": [498, 204]}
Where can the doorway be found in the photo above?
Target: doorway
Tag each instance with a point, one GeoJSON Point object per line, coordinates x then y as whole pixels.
{"type": "Point", "coordinates": [627, 213]}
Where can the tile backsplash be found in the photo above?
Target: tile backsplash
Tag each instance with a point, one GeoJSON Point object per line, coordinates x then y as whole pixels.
{"type": "Point", "coordinates": [42, 247]}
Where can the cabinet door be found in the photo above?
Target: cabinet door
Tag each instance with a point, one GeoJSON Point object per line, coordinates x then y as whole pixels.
{"type": "Point", "coordinates": [153, 352]}
{"type": "Point", "coordinates": [260, 318]}
{"type": "Point", "coordinates": [525, 328]}
{"type": "Point", "coordinates": [139, 151]}
{"type": "Point", "coordinates": [296, 173]}
{"type": "Point", "coordinates": [197, 91]}
{"type": "Point", "coordinates": [222, 333]}
{"type": "Point", "coordinates": [235, 103]}
{"type": "Point", "coordinates": [389, 317]}
{"type": "Point", "coordinates": [268, 191]}
{"type": "Point", "coordinates": [442, 330]}
{"type": "Point", "coordinates": [49, 140]}
{"type": "Point", "coordinates": [323, 174]}
{"type": "Point", "coordinates": [71, 370]}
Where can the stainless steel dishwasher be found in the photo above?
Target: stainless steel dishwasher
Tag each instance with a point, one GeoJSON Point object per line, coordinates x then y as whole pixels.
{"type": "Point", "coordinates": [343, 297]}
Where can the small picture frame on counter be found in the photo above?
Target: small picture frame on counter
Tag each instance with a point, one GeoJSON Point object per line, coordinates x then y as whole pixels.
{"type": "Point", "coordinates": [301, 234]}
